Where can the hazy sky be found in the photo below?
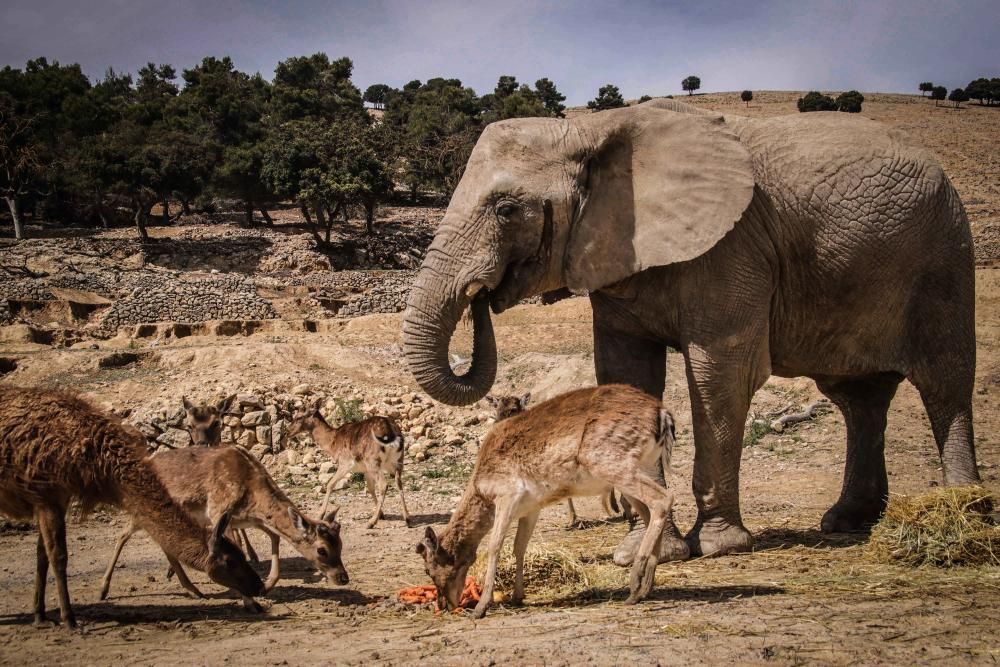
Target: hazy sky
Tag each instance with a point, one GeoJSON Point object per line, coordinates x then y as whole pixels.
{"type": "Point", "coordinates": [644, 47]}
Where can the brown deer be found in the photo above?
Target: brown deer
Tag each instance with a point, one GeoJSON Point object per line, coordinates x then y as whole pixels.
{"type": "Point", "coordinates": [373, 446]}
{"type": "Point", "coordinates": [581, 443]}
{"type": "Point", "coordinates": [508, 406]}
{"type": "Point", "coordinates": [204, 422]}
{"type": "Point", "coordinates": [56, 448]}
{"type": "Point", "coordinates": [209, 482]}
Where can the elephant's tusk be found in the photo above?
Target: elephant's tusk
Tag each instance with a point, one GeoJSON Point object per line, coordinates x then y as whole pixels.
{"type": "Point", "coordinates": [473, 289]}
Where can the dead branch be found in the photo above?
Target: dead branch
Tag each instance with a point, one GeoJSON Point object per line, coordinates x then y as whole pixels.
{"type": "Point", "coordinates": [810, 412]}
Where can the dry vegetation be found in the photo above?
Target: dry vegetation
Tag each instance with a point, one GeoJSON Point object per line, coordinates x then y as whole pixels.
{"type": "Point", "coordinates": [801, 598]}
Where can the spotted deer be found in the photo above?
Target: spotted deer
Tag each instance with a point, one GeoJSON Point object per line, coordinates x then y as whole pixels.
{"type": "Point", "coordinates": [373, 446]}
{"type": "Point", "coordinates": [508, 406]}
{"type": "Point", "coordinates": [581, 443]}
{"type": "Point", "coordinates": [55, 449]}
{"type": "Point", "coordinates": [204, 422]}
{"type": "Point", "coordinates": [208, 482]}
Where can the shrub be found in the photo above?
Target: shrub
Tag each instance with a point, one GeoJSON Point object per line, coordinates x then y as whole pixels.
{"type": "Point", "coordinates": [816, 101]}
{"type": "Point", "coordinates": [850, 101]}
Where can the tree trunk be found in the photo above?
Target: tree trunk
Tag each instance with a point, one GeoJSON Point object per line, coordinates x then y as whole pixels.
{"type": "Point", "coordinates": [15, 213]}
{"type": "Point", "coordinates": [166, 212]}
{"type": "Point", "coordinates": [101, 215]}
{"type": "Point", "coordinates": [267, 216]}
{"type": "Point", "coordinates": [320, 222]}
{"type": "Point", "coordinates": [185, 207]}
{"type": "Point", "coordinates": [369, 218]}
{"type": "Point", "coordinates": [141, 212]}
{"type": "Point", "coordinates": [305, 214]}
{"type": "Point", "coordinates": [413, 193]}
{"type": "Point", "coordinates": [248, 212]}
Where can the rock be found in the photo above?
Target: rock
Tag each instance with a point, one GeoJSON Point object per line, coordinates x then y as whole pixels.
{"type": "Point", "coordinates": [407, 398]}
{"type": "Point", "coordinates": [148, 430]}
{"type": "Point", "coordinates": [415, 412]}
{"type": "Point", "coordinates": [255, 418]}
{"type": "Point", "coordinates": [267, 460]}
{"type": "Point", "coordinates": [174, 437]}
{"type": "Point", "coordinates": [258, 451]}
{"type": "Point", "coordinates": [288, 457]}
{"type": "Point", "coordinates": [302, 390]}
{"type": "Point", "coordinates": [325, 467]}
{"type": "Point", "coordinates": [249, 401]}
{"type": "Point", "coordinates": [263, 434]}
{"type": "Point", "coordinates": [231, 420]}
{"type": "Point", "coordinates": [227, 435]}
{"type": "Point", "coordinates": [471, 420]}
{"type": "Point", "coordinates": [246, 439]}
{"type": "Point", "coordinates": [324, 478]}
{"type": "Point", "coordinates": [309, 455]}
{"type": "Point", "coordinates": [298, 471]}
{"type": "Point", "coordinates": [279, 432]}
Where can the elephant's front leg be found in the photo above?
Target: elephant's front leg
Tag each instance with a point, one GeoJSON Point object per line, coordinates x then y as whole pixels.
{"type": "Point", "coordinates": [621, 358]}
{"type": "Point", "coordinates": [721, 384]}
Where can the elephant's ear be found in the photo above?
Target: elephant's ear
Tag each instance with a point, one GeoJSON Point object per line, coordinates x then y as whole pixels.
{"type": "Point", "coordinates": [656, 187]}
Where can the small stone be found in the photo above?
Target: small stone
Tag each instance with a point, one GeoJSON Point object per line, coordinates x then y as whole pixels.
{"type": "Point", "coordinates": [309, 456]}
{"type": "Point", "coordinates": [302, 390]}
{"type": "Point", "coordinates": [471, 420]}
{"type": "Point", "coordinates": [263, 434]}
{"type": "Point", "coordinates": [324, 478]}
{"type": "Point", "coordinates": [246, 439]}
{"type": "Point", "coordinates": [258, 451]}
{"type": "Point", "coordinates": [300, 471]}
{"type": "Point", "coordinates": [407, 398]}
{"type": "Point", "coordinates": [174, 437]}
{"type": "Point", "coordinates": [249, 401]}
{"type": "Point", "coordinates": [325, 467]}
{"type": "Point", "coordinates": [231, 420]}
{"type": "Point", "coordinates": [415, 412]}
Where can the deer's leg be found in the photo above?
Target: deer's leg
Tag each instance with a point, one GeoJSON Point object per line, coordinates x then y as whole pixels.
{"type": "Point", "coordinates": [129, 531]}
{"type": "Point", "coordinates": [52, 525]}
{"type": "Point", "coordinates": [571, 511]}
{"type": "Point", "coordinates": [343, 470]}
{"type": "Point", "coordinates": [182, 578]}
{"type": "Point", "coordinates": [525, 527]}
{"type": "Point", "coordinates": [402, 498]}
{"type": "Point", "coordinates": [504, 515]}
{"type": "Point", "coordinates": [611, 504]}
{"type": "Point", "coordinates": [627, 512]}
{"type": "Point", "coordinates": [41, 578]}
{"type": "Point", "coordinates": [658, 504]}
{"type": "Point", "coordinates": [383, 487]}
{"type": "Point", "coordinates": [275, 573]}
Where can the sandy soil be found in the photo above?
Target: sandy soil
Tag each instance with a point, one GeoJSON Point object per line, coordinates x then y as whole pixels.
{"type": "Point", "coordinates": [802, 597]}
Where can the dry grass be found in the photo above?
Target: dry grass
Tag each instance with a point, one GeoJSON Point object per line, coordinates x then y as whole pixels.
{"type": "Point", "coordinates": [546, 567]}
{"type": "Point", "coordinates": [946, 527]}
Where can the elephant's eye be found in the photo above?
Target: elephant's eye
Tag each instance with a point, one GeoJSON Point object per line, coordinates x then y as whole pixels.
{"type": "Point", "coordinates": [505, 209]}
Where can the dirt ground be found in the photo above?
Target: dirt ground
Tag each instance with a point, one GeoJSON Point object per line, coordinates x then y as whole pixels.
{"type": "Point", "coordinates": [800, 598]}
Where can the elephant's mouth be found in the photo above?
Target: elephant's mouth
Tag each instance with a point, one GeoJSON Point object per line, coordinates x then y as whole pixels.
{"type": "Point", "coordinates": [523, 278]}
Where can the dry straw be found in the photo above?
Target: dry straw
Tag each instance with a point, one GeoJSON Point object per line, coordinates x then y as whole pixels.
{"type": "Point", "coordinates": [545, 567]}
{"type": "Point", "coordinates": [945, 527]}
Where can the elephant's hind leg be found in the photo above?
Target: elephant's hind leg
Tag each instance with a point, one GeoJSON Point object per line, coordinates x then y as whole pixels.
{"type": "Point", "coordinates": [864, 403]}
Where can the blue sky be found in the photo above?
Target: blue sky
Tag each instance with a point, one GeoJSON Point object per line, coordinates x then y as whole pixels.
{"type": "Point", "coordinates": [643, 47]}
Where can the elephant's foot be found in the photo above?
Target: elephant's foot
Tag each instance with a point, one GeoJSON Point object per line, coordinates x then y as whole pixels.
{"type": "Point", "coordinates": [672, 547]}
{"type": "Point", "coordinates": [717, 537]}
{"type": "Point", "coordinates": [852, 516]}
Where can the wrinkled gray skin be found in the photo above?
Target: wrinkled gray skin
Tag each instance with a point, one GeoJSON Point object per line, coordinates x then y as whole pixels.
{"type": "Point", "coordinates": [819, 245]}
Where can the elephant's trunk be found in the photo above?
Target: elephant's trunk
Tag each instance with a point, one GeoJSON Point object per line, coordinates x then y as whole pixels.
{"type": "Point", "coordinates": [432, 313]}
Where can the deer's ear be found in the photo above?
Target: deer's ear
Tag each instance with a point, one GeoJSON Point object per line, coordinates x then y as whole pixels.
{"type": "Point", "coordinates": [431, 540]}
{"type": "Point", "coordinates": [331, 516]}
{"type": "Point", "coordinates": [524, 400]}
{"type": "Point", "coordinates": [298, 521]}
{"type": "Point", "coordinates": [421, 549]}
{"type": "Point", "coordinates": [492, 400]}
{"type": "Point", "coordinates": [187, 404]}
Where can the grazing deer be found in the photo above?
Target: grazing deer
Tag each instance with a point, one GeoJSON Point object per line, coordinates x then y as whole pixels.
{"type": "Point", "coordinates": [373, 446]}
{"type": "Point", "coordinates": [508, 406]}
{"type": "Point", "coordinates": [227, 480]}
{"type": "Point", "coordinates": [56, 448]}
{"type": "Point", "coordinates": [578, 444]}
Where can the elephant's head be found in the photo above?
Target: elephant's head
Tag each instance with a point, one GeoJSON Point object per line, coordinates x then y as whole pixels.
{"type": "Point", "coordinates": [580, 203]}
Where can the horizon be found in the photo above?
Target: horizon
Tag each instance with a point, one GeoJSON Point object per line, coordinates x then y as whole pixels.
{"type": "Point", "coordinates": [880, 47]}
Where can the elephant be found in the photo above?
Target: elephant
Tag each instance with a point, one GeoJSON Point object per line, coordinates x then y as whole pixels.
{"type": "Point", "coordinates": [820, 244]}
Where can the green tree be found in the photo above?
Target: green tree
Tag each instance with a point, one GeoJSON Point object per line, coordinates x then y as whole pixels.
{"type": "Point", "coordinates": [691, 84]}
{"type": "Point", "coordinates": [551, 98]}
{"type": "Point", "coordinates": [939, 93]}
{"type": "Point", "coordinates": [375, 95]}
{"type": "Point", "coordinates": [816, 101]}
{"type": "Point", "coordinates": [20, 165]}
{"type": "Point", "coordinates": [316, 87]}
{"type": "Point", "coordinates": [850, 101]}
{"type": "Point", "coordinates": [747, 96]}
{"type": "Point", "coordinates": [958, 95]}
{"type": "Point", "coordinates": [987, 91]}
{"type": "Point", "coordinates": [926, 87]}
{"type": "Point", "coordinates": [645, 98]}
{"type": "Point", "coordinates": [608, 97]}
{"type": "Point", "coordinates": [512, 100]}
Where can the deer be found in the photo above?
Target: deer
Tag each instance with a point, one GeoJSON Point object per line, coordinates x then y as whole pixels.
{"type": "Point", "coordinates": [373, 446]}
{"type": "Point", "coordinates": [580, 443]}
{"type": "Point", "coordinates": [209, 482]}
{"type": "Point", "coordinates": [508, 406]}
{"type": "Point", "coordinates": [55, 448]}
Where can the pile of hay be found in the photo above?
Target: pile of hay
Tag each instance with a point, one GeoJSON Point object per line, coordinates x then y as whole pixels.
{"type": "Point", "coordinates": [945, 527]}
{"type": "Point", "coordinates": [545, 566]}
